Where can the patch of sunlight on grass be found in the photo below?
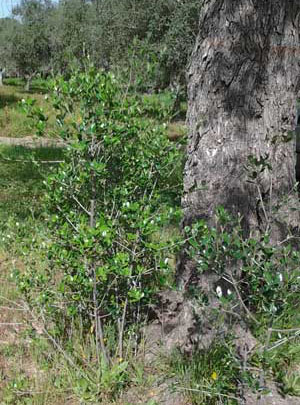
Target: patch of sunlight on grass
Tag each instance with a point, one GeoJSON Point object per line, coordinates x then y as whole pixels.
{"type": "Point", "coordinates": [13, 121]}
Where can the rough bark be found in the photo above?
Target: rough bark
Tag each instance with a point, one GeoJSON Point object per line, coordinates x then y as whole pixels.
{"type": "Point", "coordinates": [243, 84]}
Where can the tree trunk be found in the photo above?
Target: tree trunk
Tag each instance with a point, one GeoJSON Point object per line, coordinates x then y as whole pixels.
{"type": "Point", "coordinates": [2, 71]}
{"type": "Point", "coordinates": [28, 78]}
{"type": "Point", "coordinates": [28, 83]}
{"type": "Point", "coordinates": [243, 84]}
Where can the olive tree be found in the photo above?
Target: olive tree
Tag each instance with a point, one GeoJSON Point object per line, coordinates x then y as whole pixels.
{"type": "Point", "coordinates": [243, 84]}
{"type": "Point", "coordinates": [30, 45]}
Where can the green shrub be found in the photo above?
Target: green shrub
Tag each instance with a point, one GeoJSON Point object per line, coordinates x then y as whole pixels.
{"type": "Point", "coordinates": [266, 276]}
{"type": "Point", "coordinates": [105, 207]}
{"type": "Point", "coordinates": [259, 280]}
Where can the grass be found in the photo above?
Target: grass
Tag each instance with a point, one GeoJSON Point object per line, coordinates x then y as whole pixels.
{"type": "Point", "coordinates": [31, 372]}
{"type": "Point", "coordinates": [29, 367]}
{"type": "Point", "coordinates": [13, 121]}
{"type": "Point", "coordinates": [37, 85]}
{"type": "Point", "coordinates": [209, 377]}
{"type": "Point", "coordinates": [21, 183]}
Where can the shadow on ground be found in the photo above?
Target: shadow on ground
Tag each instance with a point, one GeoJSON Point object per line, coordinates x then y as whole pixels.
{"type": "Point", "coordinates": [21, 182]}
{"type": "Point", "coordinates": [8, 100]}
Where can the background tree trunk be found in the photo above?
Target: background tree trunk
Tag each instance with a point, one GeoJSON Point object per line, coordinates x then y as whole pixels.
{"type": "Point", "coordinates": [243, 84]}
{"type": "Point", "coordinates": [2, 71]}
{"type": "Point", "coordinates": [28, 83]}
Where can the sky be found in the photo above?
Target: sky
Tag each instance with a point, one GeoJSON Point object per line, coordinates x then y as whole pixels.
{"type": "Point", "coordinates": [6, 7]}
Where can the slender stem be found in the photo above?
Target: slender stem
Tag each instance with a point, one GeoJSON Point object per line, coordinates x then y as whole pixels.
{"type": "Point", "coordinates": [98, 322]}
{"type": "Point", "coordinates": [121, 329]}
{"type": "Point", "coordinates": [67, 219]}
{"type": "Point", "coordinates": [92, 214]}
{"type": "Point", "coordinates": [233, 282]}
{"type": "Point", "coordinates": [96, 318]}
{"type": "Point", "coordinates": [54, 342]}
{"type": "Point", "coordinates": [285, 330]}
{"type": "Point", "coordinates": [282, 341]}
{"type": "Point", "coordinates": [101, 338]}
{"type": "Point", "coordinates": [263, 207]}
{"type": "Point", "coordinates": [81, 206]}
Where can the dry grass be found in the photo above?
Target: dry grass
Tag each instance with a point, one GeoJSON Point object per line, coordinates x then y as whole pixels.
{"type": "Point", "coordinates": [176, 130]}
{"type": "Point", "coordinates": [26, 377]}
{"type": "Point", "coordinates": [31, 371]}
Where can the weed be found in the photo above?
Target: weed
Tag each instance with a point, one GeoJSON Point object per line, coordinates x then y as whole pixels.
{"type": "Point", "coordinates": [208, 377]}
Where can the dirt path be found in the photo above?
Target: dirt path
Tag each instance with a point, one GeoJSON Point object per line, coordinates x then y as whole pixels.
{"type": "Point", "coordinates": [32, 142]}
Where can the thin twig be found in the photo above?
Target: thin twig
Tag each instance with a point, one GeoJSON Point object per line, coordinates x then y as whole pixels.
{"type": "Point", "coordinates": [121, 330]}
{"type": "Point", "coordinates": [207, 392]}
{"type": "Point", "coordinates": [56, 344]}
{"type": "Point", "coordinates": [98, 321]}
{"type": "Point", "coordinates": [123, 246]}
{"type": "Point", "coordinates": [285, 330]}
{"type": "Point", "coordinates": [81, 206]}
{"type": "Point", "coordinates": [11, 323]}
{"type": "Point", "coordinates": [67, 219]}
{"type": "Point", "coordinates": [283, 341]}
{"type": "Point", "coordinates": [233, 282]}
{"type": "Point", "coordinates": [270, 195]}
{"type": "Point", "coordinates": [12, 302]}
{"type": "Point", "coordinates": [101, 337]}
{"type": "Point", "coordinates": [7, 160]}
{"type": "Point", "coordinates": [23, 393]}
{"type": "Point", "coordinates": [287, 239]}
{"type": "Point", "coordinates": [263, 207]}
